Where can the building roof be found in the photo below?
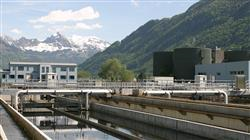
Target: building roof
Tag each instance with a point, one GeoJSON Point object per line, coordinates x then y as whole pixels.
{"type": "Point", "coordinates": [43, 63]}
{"type": "Point", "coordinates": [231, 63]}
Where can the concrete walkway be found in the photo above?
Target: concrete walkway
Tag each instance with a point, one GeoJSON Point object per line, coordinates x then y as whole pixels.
{"type": "Point", "coordinates": [11, 130]}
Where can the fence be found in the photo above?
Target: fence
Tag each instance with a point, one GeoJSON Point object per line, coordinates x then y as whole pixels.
{"type": "Point", "coordinates": [168, 85]}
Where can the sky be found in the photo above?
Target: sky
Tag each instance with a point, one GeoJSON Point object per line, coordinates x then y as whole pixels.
{"type": "Point", "coordinates": [110, 20]}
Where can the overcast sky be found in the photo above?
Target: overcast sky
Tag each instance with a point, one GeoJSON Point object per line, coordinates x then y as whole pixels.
{"type": "Point", "coordinates": [110, 20]}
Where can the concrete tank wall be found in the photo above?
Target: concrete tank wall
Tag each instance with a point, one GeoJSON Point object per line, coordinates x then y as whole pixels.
{"type": "Point", "coordinates": [185, 59]}
{"type": "Point", "coordinates": [194, 128]}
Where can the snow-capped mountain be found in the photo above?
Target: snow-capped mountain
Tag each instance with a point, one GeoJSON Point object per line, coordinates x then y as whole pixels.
{"type": "Point", "coordinates": [23, 42]}
{"type": "Point", "coordinates": [88, 42]}
{"type": "Point", "coordinates": [55, 48]}
{"type": "Point", "coordinates": [57, 42]}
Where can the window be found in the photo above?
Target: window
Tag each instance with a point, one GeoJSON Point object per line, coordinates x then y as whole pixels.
{"type": "Point", "coordinates": [54, 69]}
{"type": "Point", "coordinates": [63, 77]}
{"type": "Point", "coordinates": [71, 68]}
{"type": "Point", "coordinates": [43, 77]}
{"type": "Point", "coordinates": [236, 72]}
{"type": "Point", "coordinates": [201, 73]}
{"type": "Point", "coordinates": [43, 69]}
{"type": "Point", "coordinates": [12, 76]}
{"type": "Point", "coordinates": [3, 76]}
{"type": "Point", "coordinates": [72, 77]}
{"type": "Point", "coordinates": [20, 68]}
{"type": "Point", "coordinates": [218, 73]}
{"type": "Point", "coordinates": [20, 76]}
{"type": "Point", "coordinates": [47, 69]}
{"type": "Point", "coordinates": [63, 69]}
{"type": "Point", "coordinates": [36, 69]}
{"type": "Point", "coordinates": [240, 72]}
{"type": "Point", "coordinates": [53, 77]}
{"type": "Point", "coordinates": [233, 72]}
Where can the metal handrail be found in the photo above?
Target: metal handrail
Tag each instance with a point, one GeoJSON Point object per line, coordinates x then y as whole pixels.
{"type": "Point", "coordinates": [177, 84]}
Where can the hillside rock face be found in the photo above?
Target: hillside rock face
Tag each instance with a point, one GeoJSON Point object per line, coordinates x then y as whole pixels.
{"type": "Point", "coordinates": [208, 23]}
{"type": "Point", "coordinates": [56, 48]}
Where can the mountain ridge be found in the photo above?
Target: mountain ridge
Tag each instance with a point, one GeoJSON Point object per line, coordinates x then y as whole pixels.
{"type": "Point", "coordinates": [55, 48]}
{"type": "Point", "coordinates": [213, 23]}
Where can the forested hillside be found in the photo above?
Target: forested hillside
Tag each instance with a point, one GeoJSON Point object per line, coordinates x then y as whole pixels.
{"type": "Point", "coordinates": [208, 23]}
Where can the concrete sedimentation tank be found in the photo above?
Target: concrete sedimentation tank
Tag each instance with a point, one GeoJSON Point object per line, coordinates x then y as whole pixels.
{"type": "Point", "coordinates": [185, 59]}
{"type": "Point", "coordinates": [237, 55]}
{"type": "Point", "coordinates": [163, 64]}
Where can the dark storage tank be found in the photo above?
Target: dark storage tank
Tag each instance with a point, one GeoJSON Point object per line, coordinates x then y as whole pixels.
{"type": "Point", "coordinates": [237, 55]}
{"type": "Point", "coordinates": [163, 64]}
{"type": "Point", "coordinates": [185, 59]}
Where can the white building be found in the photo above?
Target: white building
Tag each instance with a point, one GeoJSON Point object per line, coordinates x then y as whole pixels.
{"type": "Point", "coordinates": [224, 71]}
{"type": "Point", "coordinates": [20, 72]}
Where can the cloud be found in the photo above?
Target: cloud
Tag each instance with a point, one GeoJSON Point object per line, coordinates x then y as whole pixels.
{"type": "Point", "coordinates": [87, 27]}
{"type": "Point", "coordinates": [16, 31]}
{"type": "Point", "coordinates": [86, 13]}
{"type": "Point", "coordinates": [38, 26]}
{"type": "Point", "coordinates": [77, 26]}
{"type": "Point", "coordinates": [135, 3]}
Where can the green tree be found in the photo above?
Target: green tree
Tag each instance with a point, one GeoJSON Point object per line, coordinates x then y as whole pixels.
{"type": "Point", "coordinates": [113, 70]}
{"type": "Point", "coordinates": [141, 76]}
{"type": "Point", "coordinates": [127, 75]}
{"type": "Point", "coordinates": [83, 74]}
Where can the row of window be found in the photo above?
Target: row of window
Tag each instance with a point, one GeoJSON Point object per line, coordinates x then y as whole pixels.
{"type": "Point", "coordinates": [43, 69]}
{"type": "Point", "coordinates": [21, 68]}
{"type": "Point", "coordinates": [236, 72]}
{"type": "Point", "coordinates": [218, 73]}
{"type": "Point", "coordinates": [13, 76]}
{"type": "Point", "coordinates": [72, 69]}
{"type": "Point", "coordinates": [71, 77]}
{"type": "Point", "coordinates": [62, 77]}
{"type": "Point", "coordinates": [203, 73]}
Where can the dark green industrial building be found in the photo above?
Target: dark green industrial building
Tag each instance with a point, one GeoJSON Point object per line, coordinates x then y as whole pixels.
{"type": "Point", "coordinates": [237, 55]}
{"type": "Point", "coordinates": [181, 62]}
{"type": "Point", "coordinates": [163, 64]}
{"type": "Point", "coordinates": [185, 59]}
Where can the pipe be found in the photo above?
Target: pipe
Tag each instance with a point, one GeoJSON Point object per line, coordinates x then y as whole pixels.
{"type": "Point", "coordinates": [87, 101]}
{"type": "Point", "coordinates": [155, 92]}
{"type": "Point", "coordinates": [225, 95]}
{"type": "Point", "coordinates": [52, 91]}
{"type": "Point", "coordinates": [169, 92]}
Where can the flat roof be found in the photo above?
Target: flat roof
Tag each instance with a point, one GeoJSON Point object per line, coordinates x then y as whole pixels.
{"type": "Point", "coordinates": [233, 62]}
{"type": "Point", "coordinates": [42, 63]}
